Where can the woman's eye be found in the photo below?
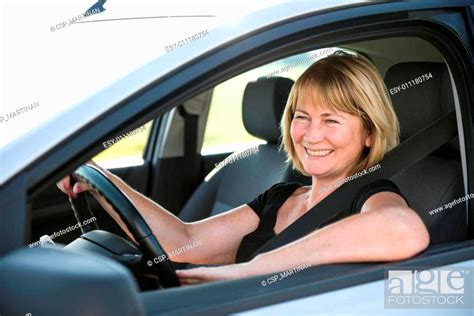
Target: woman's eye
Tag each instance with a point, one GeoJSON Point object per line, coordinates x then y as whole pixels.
{"type": "Point", "coordinates": [299, 117]}
{"type": "Point", "coordinates": [332, 122]}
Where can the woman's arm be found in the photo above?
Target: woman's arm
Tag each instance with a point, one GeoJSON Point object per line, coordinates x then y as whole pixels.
{"type": "Point", "coordinates": [219, 236]}
{"type": "Point", "coordinates": [385, 230]}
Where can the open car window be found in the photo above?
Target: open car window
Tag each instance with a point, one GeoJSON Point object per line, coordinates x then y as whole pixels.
{"type": "Point", "coordinates": [224, 131]}
{"type": "Point", "coordinates": [125, 150]}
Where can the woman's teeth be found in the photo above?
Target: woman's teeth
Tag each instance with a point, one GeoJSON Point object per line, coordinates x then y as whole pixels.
{"type": "Point", "coordinates": [318, 153]}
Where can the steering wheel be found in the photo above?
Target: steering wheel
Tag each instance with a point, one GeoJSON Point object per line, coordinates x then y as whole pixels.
{"type": "Point", "coordinates": [132, 219]}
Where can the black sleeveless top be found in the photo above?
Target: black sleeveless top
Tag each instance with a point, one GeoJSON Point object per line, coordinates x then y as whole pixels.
{"type": "Point", "coordinates": [267, 204]}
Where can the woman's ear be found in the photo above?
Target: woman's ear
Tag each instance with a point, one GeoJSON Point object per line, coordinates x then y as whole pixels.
{"type": "Point", "coordinates": [368, 140]}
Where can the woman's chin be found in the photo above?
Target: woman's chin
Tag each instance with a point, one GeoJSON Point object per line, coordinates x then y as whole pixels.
{"type": "Point", "coordinates": [317, 172]}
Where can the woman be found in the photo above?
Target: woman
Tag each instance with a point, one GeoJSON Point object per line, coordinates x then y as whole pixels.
{"type": "Point", "coordinates": [338, 120]}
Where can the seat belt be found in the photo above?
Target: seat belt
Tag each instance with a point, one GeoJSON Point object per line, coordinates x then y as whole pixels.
{"type": "Point", "coordinates": [191, 161]}
{"type": "Point", "coordinates": [398, 159]}
{"type": "Point", "coordinates": [190, 131]}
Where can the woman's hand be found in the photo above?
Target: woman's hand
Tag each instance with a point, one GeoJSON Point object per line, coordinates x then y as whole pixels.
{"type": "Point", "coordinates": [209, 274]}
{"type": "Point", "coordinates": [65, 183]}
{"type": "Point", "coordinates": [65, 186]}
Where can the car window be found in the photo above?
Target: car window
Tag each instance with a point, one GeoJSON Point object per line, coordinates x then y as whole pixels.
{"type": "Point", "coordinates": [225, 131]}
{"type": "Point", "coordinates": [125, 150]}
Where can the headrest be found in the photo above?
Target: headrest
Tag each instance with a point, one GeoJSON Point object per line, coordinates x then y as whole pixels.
{"type": "Point", "coordinates": [263, 105]}
{"type": "Point", "coordinates": [421, 93]}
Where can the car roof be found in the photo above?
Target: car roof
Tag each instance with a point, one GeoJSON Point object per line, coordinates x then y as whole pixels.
{"type": "Point", "coordinates": [25, 149]}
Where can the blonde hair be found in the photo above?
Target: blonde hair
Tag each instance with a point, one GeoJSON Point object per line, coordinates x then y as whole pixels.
{"type": "Point", "coordinates": [349, 84]}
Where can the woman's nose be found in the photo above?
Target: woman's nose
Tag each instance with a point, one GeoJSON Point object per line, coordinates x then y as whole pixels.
{"type": "Point", "coordinates": [314, 133]}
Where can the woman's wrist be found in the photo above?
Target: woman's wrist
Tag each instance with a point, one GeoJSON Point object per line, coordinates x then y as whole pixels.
{"type": "Point", "coordinates": [254, 267]}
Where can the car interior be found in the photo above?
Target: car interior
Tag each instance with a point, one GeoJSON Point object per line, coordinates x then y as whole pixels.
{"type": "Point", "coordinates": [176, 174]}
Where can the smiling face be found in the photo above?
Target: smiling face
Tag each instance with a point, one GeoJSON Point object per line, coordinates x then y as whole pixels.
{"type": "Point", "coordinates": [338, 119]}
{"type": "Point", "coordinates": [327, 142]}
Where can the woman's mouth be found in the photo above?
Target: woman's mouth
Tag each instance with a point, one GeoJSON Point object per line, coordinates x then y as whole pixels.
{"type": "Point", "coordinates": [318, 153]}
